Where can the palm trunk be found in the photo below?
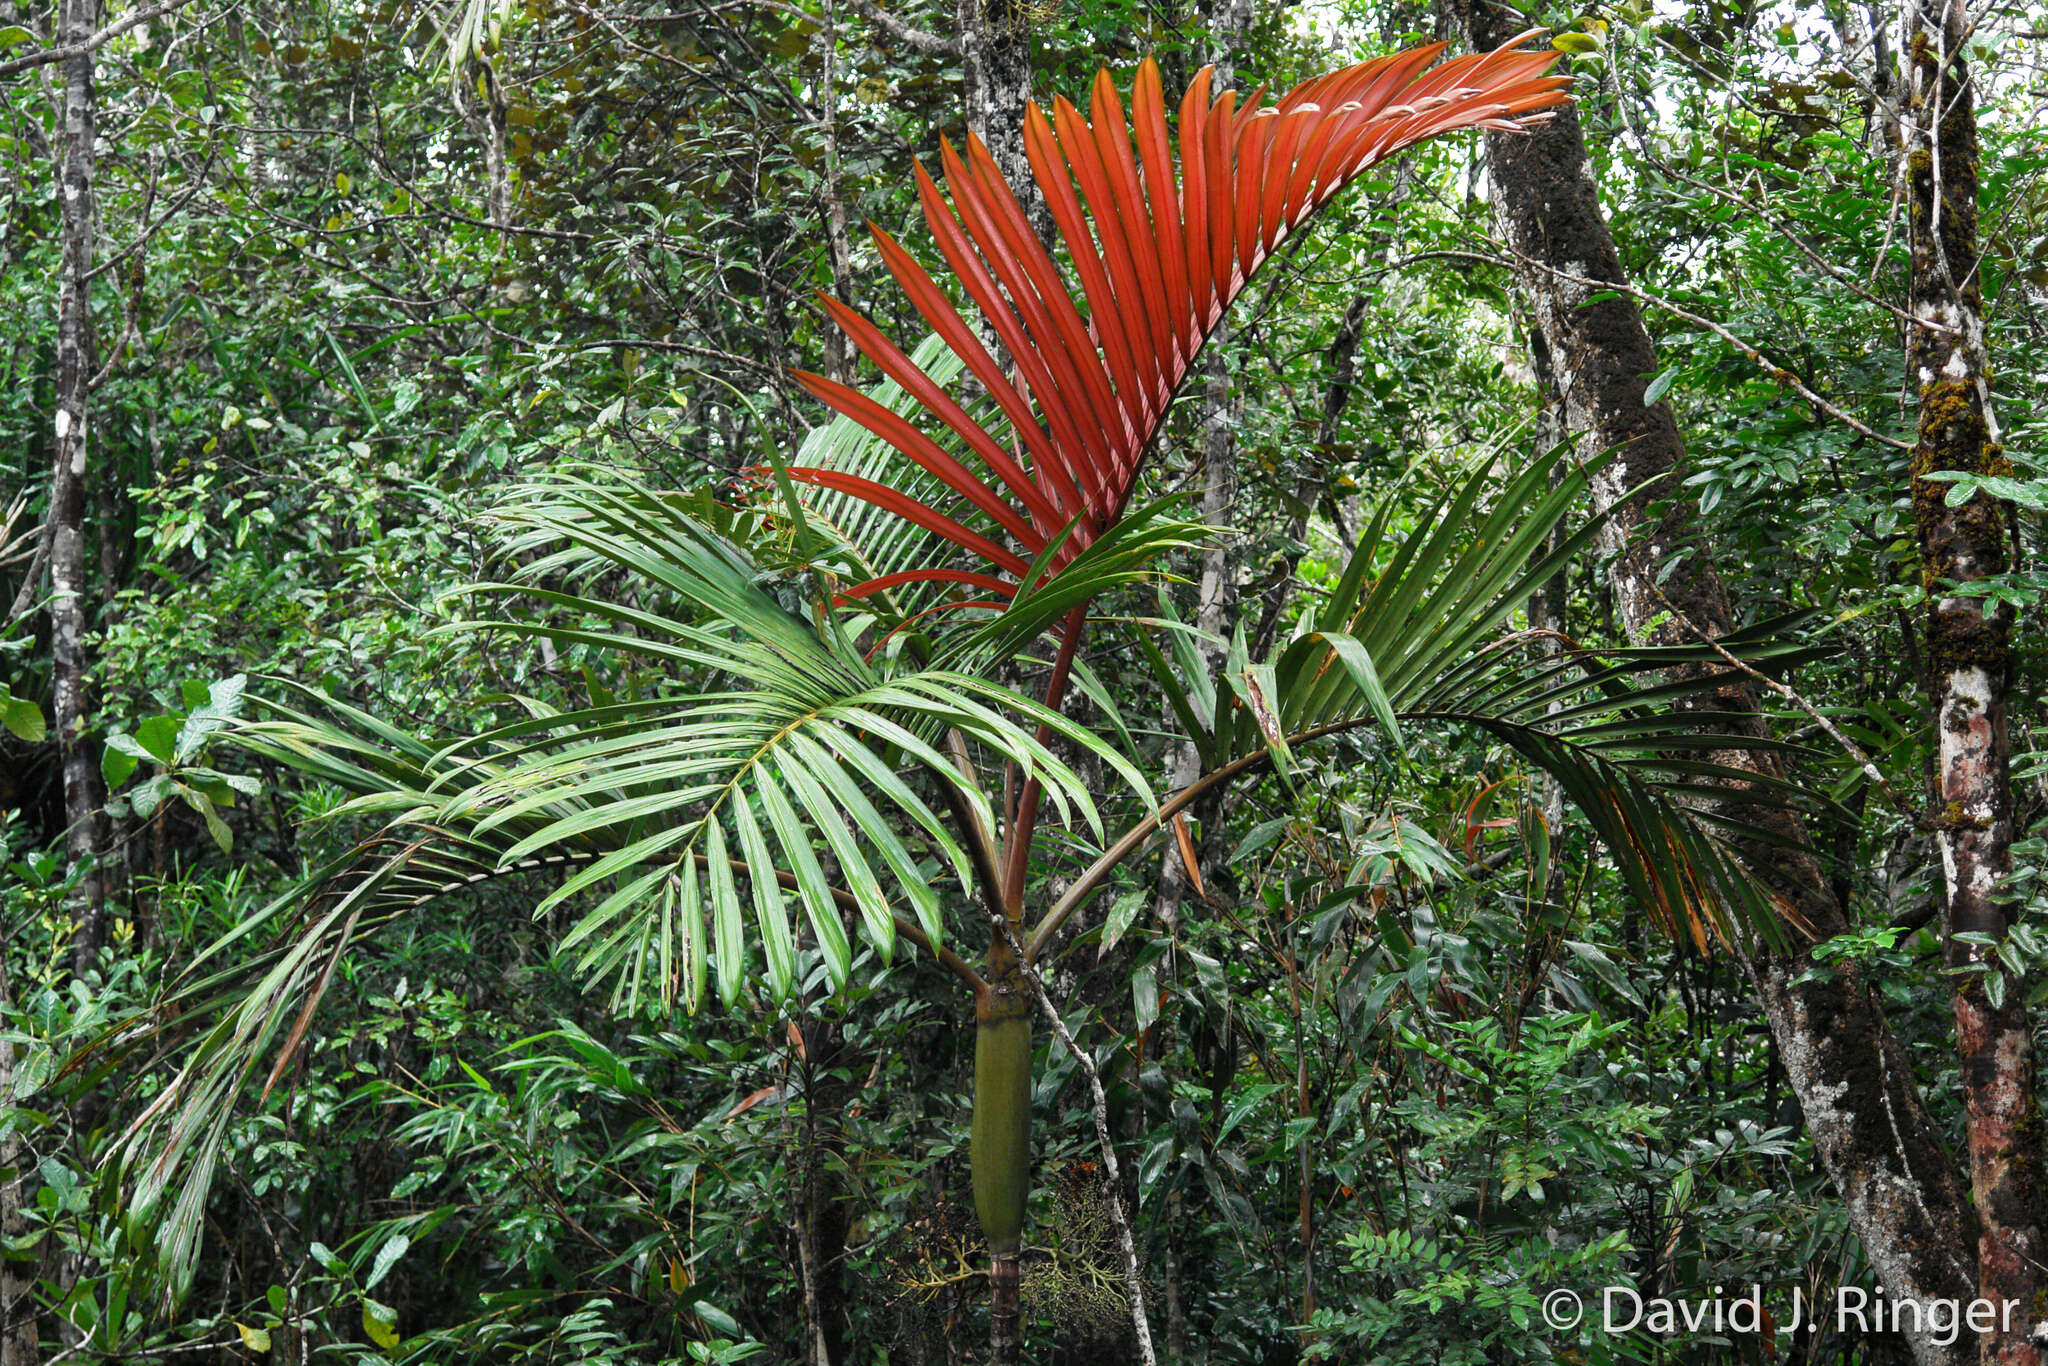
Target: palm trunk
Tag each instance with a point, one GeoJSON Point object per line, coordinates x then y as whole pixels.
{"type": "Point", "coordinates": [1001, 1149]}
{"type": "Point", "coordinates": [69, 618]}
{"type": "Point", "coordinates": [823, 1218]}
{"type": "Point", "coordinates": [1873, 1135]}
{"type": "Point", "coordinates": [1969, 670]}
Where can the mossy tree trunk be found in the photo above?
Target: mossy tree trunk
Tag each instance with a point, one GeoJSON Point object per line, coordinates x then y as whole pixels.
{"type": "Point", "coordinates": [1881, 1148]}
{"type": "Point", "coordinates": [825, 1217]}
{"type": "Point", "coordinates": [1969, 651]}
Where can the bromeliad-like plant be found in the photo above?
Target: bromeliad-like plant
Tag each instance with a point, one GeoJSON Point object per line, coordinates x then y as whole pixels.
{"type": "Point", "coordinates": [830, 727]}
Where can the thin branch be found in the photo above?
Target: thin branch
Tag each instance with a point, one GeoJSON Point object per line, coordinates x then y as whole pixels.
{"type": "Point", "coordinates": [1134, 1280]}
{"type": "Point", "coordinates": [1084, 887]}
{"type": "Point", "coordinates": [92, 44]}
{"type": "Point", "coordinates": [1849, 747]}
{"type": "Point", "coordinates": [199, 183]}
{"type": "Point", "coordinates": [1762, 362]}
{"type": "Point", "coordinates": [32, 577]}
{"type": "Point", "coordinates": [923, 39]}
{"type": "Point", "coordinates": [1090, 881]}
{"type": "Point", "coordinates": [1778, 225]}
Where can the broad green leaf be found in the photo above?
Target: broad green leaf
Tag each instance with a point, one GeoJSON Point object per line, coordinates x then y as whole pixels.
{"type": "Point", "coordinates": [145, 799]}
{"type": "Point", "coordinates": [116, 764]}
{"type": "Point", "coordinates": [381, 1323]}
{"type": "Point", "coordinates": [387, 1257]}
{"type": "Point", "coordinates": [720, 1321]}
{"type": "Point", "coordinates": [215, 826]}
{"type": "Point", "coordinates": [23, 719]}
{"type": "Point", "coordinates": [158, 737]}
{"type": "Point", "coordinates": [1121, 916]}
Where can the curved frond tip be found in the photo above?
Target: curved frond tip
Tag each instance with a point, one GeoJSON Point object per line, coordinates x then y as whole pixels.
{"type": "Point", "coordinates": [1161, 239]}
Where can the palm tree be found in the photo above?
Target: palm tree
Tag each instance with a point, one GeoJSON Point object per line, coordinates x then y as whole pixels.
{"type": "Point", "coordinates": [833, 740]}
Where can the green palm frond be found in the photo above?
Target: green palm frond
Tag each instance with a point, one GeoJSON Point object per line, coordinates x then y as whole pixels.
{"type": "Point", "coordinates": [1416, 635]}
{"type": "Point", "coordinates": [775, 785]}
{"type": "Point", "coordinates": [779, 744]}
{"type": "Point", "coordinates": [876, 542]}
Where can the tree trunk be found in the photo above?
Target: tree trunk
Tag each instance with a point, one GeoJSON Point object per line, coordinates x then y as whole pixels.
{"type": "Point", "coordinates": [1872, 1133]}
{"type": "Point", "coordinates": [995, 51]}
{"type": "Point", "coordinates": [480, 100]}
{"type": "Point", "coordinates": [839, 353]}
{"type": "Point", "coordinates": [1228, 20]}
{"type": "Point", "coordinates": [1174, 1270]}
{"type": "Point", "coordinates": [68, 612]}
{"type": "Point", "coordinates": [1969, 652]}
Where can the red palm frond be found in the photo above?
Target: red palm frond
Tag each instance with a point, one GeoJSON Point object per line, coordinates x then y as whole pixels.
{"type": "Point", "coordinates": [1160, 242]}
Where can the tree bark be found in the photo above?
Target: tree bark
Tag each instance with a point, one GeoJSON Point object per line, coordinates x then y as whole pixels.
{"type": "Point", "coordinates": [1226, 21]}
{"type": "Point", "coordinates": [487, 120]}
{"type": "Point", "coordinates": [70, 664]}
{"type": "Point", "coordinates": [839, 354]}
{"type": "Point", "coordinates": [995, 51]}
{"type": "Point", "coordinates": [1879, 1145]}
{"type": "Point", "coordinates": [1173, 1271]}
{"type": "Point", "coordinates": [1969, 652]}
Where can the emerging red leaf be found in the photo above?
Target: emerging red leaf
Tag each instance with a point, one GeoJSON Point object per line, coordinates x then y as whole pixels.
{"type": "Point", "coordinates": [1160, 245]}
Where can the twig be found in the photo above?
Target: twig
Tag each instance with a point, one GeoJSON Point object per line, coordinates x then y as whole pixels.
{"type": "Point", "coordinates": [198, 184]}
{"type": "Point", "coordinates": [32, 578]}
{"type": "Point", "coordinates": [1782, 228]}
{"type": "Point", "coordinates": [924, 40]}
{"type": "Point", "coordinates": [94, 43]}
{"type": "Point", "coordinates": [1112, 1178]}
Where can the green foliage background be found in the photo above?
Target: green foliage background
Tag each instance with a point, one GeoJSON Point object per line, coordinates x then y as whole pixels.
{"type": "Point", "coordinates": [1374, 1104]}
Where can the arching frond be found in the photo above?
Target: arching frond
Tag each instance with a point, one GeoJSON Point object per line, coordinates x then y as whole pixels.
{"type": "Point", "coordinates": [1418, 633]}
{"type": "Point", "coordinates": [778, 788]}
